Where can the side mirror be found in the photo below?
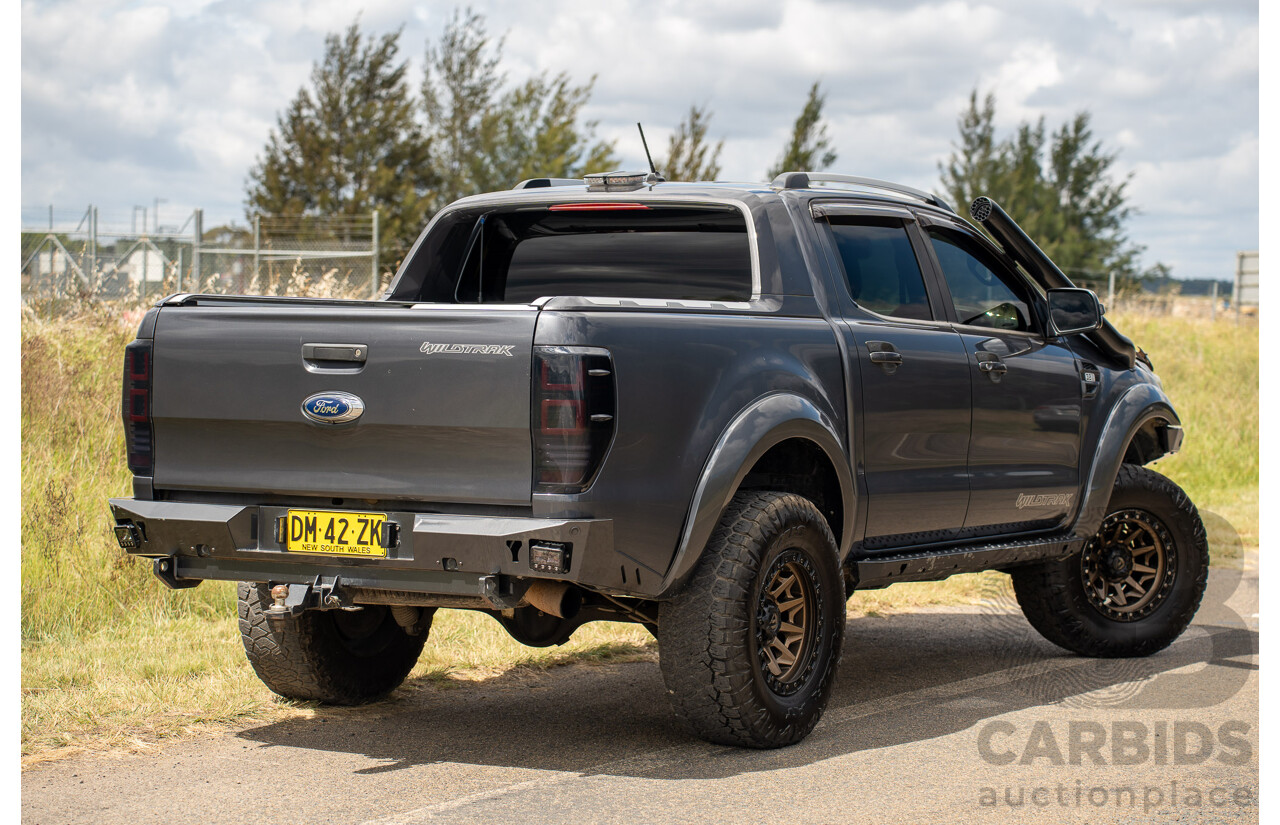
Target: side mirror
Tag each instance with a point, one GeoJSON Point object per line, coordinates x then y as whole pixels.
{"type": "Point", "coordinates": [1073, 311]}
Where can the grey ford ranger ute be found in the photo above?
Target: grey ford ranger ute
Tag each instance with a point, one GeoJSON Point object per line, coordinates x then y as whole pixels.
{"type": "Point", "coordinates": [713, 409]}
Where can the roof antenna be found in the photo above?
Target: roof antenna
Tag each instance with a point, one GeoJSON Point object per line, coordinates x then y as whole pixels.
{"type": "Point", "coordinates": [653, 169]}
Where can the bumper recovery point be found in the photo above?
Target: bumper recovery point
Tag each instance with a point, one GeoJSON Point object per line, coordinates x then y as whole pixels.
{"type": "Point", "coordinates": [165, 572]}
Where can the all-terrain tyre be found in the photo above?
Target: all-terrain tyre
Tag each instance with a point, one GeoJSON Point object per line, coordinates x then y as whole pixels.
{"type": "Point", "coordinates": [333, 656]}
{"type": "Point", "coordinates": [749, 647]}
{"type": "Point", "coordinates": [1135, 586]}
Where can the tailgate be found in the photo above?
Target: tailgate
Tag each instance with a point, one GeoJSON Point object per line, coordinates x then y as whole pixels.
{"type": "Point", "coordinates": [445, 391]}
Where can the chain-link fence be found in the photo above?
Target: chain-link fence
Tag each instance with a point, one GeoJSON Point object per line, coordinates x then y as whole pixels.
{"type": "Point", "coordinates": [73, 256]}
{"type": "Point", "coordinates": [293, 255]}
{"type": "Point", "coordinates": [1209, 299]}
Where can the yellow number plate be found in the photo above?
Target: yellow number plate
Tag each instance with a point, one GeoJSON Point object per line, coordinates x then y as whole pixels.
{"type": "Point", "coordinates": [335, 533]}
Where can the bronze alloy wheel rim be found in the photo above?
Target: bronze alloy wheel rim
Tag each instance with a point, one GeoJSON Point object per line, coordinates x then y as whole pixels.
{"type": "Point", "coordinates": [787, 623]}
{"type": "Point", "coordinates": [1129, 566]}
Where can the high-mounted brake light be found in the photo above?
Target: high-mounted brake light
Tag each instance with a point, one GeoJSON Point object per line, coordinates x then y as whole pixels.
{"type": "Point", "coordinates": [595, 207]}
{"type": "Point", "coordinates": [573, 416]}
{"type": "Point", "coordinates": [619, 181]}
{"type": "Point", "coordinates": [135, 407]}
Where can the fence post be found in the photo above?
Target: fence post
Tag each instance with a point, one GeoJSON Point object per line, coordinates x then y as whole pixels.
{"type": "Point", "coordinates": [374, 280]}
{"type": "Point", "coordinates": [177, 286]}
{"type": "Point", "coordinates": [257, 244]}
{"type": "Point", "coordinates": [1111, 289]}
{"type": "Point", "coordinates": [1213, 302]}
{"type": "Point", "coordinates": [1235, 289]}
{"type": "Point", "coordinates": [195, 248]}
{"type": "Point", "coordinates": [93, 242]}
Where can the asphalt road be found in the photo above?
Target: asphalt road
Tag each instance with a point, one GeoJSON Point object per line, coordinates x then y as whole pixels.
{"type": "Point", "coordinates": [952, 715]}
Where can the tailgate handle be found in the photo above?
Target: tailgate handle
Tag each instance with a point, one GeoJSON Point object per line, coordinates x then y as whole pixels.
{"type": "Point", "coordinates": [346, 353]}
{"type": "Point", "coordinates": [334, 357]}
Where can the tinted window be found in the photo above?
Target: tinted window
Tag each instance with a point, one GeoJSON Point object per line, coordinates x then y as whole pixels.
{"type": "Point", "coordinates": [709, 266]}
{"type": "Point", "coordinates": [662, 252]}
{"type": "Point", "coordinates": [982, 296]}
{"type": "Point", "coordinates": [880, 267]}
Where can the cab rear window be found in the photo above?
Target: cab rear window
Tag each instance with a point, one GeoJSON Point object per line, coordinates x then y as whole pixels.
{"type": "Point", "coordinates": [666, 252]}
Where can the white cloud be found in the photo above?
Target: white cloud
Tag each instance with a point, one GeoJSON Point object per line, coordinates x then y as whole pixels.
{"type": "Point", "coordinates": [124, 102]}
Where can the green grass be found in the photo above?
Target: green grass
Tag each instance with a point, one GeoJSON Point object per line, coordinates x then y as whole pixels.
{"type": "Point", "coordinates": [112, 659]}
{"type": "Point", "coordinates": [74, 576]}
{"type": "Point", "coordinates": [1210, 371]}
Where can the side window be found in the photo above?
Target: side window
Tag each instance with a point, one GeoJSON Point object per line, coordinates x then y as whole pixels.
{"type": "Point", "coordinates": [880, 267]}
{"type": "Point", "coordinates": [980, 292]}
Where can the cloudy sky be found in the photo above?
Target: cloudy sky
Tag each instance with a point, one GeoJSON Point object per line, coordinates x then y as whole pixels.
{"type": "Point", "coordinates": [126, 102]}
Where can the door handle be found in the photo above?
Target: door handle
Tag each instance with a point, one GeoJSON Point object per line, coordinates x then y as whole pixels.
{"type": "Point", "coordinates": [885, 356]}
{"type": "Point", "coordinates": [993, 367]}
{"type": "Point", "coordinates": [990, 364]}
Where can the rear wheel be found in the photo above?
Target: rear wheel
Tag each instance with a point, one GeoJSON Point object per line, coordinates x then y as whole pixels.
{"type": "Point", "coordinates": [1138, 582]}
{"type": "Point", "coordinates": [337, 657]}
{"type": "Point", "coordinates": [749, 648]}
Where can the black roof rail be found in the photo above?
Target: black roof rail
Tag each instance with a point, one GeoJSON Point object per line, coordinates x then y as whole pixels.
{"type": "Point", "coordinates": [543, 183]}
{"type": "Point", "coordinates": [805, 180]}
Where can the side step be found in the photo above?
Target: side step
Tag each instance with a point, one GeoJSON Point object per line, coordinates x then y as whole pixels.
{"type": "Point", "coordinates": [934, 565]}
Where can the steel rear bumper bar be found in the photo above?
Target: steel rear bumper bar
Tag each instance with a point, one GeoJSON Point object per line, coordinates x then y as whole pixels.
{"type": "Point", "coordinates": [469, 558]}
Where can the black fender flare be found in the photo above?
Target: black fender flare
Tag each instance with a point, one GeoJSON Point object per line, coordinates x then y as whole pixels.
{"type": "Point", "coordinates": [764, 423]}
{"type": "Point", "coordinates": [1137, 407]}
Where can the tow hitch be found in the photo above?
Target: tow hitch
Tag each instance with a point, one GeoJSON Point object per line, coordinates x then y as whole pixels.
{"type": "Point", "coordinates": [324, 593]}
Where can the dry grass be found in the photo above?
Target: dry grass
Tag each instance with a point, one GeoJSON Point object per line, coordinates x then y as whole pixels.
{"type": "Point", "coordinates": [133, 686]}
{"type": "Point", "coordinates": [1210, 371]}
{"type": "Point", "coordinates": [113, 660]}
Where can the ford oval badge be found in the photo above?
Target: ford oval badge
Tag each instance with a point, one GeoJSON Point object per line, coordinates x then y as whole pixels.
{"type": "Point", "coordinates": [333, 407]}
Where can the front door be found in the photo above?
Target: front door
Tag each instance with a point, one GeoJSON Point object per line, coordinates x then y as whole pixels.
{"type": "Point", "coordinates": [1027, 393]}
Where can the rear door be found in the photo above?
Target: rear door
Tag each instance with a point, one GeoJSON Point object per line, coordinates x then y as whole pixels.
{"type": "Point", "coordinates": [909, 368]}
{"type": "Point", "coordinates": [1027, 391]}
{"type": "Point", "coordinates": [445, 393]}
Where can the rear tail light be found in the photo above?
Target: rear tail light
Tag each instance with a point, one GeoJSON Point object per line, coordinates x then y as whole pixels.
{"type": "Point", "coordinates": [574, 406]}
{"type": "Point", "coordinates": [135, 406]}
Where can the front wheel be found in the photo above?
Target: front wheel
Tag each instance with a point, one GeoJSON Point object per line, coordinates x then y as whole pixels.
{"type": "Point", "coordinates": [1138, 582]}
{"type": "Point", "coordinates": [749, 647]}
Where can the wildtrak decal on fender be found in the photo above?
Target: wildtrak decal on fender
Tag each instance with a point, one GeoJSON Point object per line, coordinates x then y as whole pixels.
{"type": "Point", "coordinates": [466, 349]}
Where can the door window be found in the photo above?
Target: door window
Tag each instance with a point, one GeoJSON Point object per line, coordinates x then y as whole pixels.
{"type": "Point", "coordinates": [983, 293]}
{"type": "Point", "coordinates": [880, 267]}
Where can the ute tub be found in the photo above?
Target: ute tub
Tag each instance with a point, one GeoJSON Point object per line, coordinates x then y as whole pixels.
{"type": "Point", "coordinates": [444, 555]}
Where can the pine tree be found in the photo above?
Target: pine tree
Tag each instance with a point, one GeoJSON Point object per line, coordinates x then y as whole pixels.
{"type": "Point", "coordinates": [1058, 187]}
{"type": "Point", "coordinates": [809, 149]}
{"type": "Point", "coordinates": [486, 139]}
{"type": "Point", "coordinates": [534, 132]}
{"type": "Point", "coordinates": [353, 140]}
{"type": "Point", "coordinates": [973, 164]}
{"type": "Point", "coordinates": [689, 156]}
{"type": "Point", "coordinates": [349, 143]}
{"type": "Point", "coordinates": [459, 88]}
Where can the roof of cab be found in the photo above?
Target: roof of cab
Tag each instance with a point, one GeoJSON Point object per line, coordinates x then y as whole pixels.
{"type": "Point", "coordinates": [807, 184]}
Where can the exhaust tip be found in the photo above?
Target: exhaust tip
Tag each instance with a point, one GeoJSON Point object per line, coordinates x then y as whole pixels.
{"type": "Point", "coordinates": [555, 598]}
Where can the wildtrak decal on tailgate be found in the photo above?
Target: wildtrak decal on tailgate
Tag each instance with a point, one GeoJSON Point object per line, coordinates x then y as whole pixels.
{"type": "Point", "coordinates": [466, 349]}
